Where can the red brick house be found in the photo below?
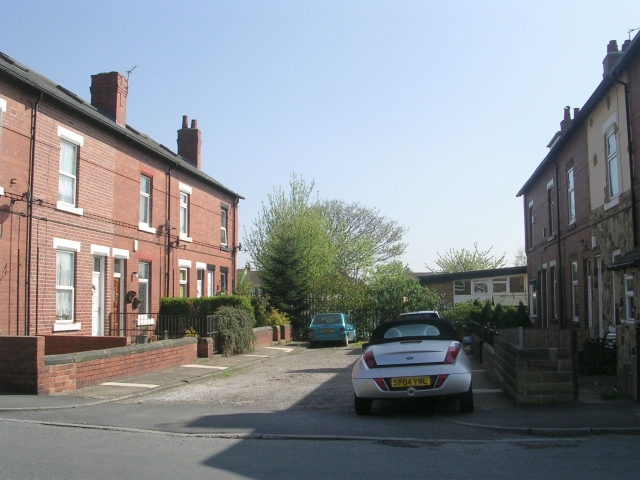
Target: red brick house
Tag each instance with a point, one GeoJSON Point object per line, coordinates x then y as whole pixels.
{"type": "Point", "coordinates": [97, 219]}
{"type": "Point", "coordinates": [581, 216]}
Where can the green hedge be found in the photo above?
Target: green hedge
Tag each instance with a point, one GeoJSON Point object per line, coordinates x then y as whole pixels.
{"type": "Point", "coordinates": [236, 330]}
{"type": "Point", "coordinates": [204, 305]}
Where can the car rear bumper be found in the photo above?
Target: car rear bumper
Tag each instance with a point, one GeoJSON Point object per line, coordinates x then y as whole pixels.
{"type": "Point", "coordinates": [455, 384]}
{"type": "Point", "coordinates": [328, 337]}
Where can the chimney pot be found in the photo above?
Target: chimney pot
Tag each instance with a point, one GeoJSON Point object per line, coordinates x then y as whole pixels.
{"type": "Point", "coordinates": [611, 57]}
{"type": "Point", "coordinates": [566, 121]}
{"type": "Point", "coordinates": [626, 44]}
{"type": "Point", "coordinates": [109, 93]}
{"type": "Point", "coordinates": [189, 142]}
{"type": "Point", "coordinates": [575, 112]}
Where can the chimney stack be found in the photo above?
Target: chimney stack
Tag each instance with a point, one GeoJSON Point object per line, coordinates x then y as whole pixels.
{"type": "Point", "coordinates": [189, 141]}
{"type": "Point", "coordinates": [611, 58]}
{"type": "Point", "coordinates": [566, 122]}
{"type": "Point", "coordinates": [109, 94]}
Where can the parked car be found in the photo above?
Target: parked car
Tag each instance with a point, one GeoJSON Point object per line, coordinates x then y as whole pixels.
{"type": "Point", "coordinates": [331, 327]}
{"type": "Point", "coordinates": [416, 356]}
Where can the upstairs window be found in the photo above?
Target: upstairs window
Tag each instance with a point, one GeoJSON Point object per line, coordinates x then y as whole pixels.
{"type": "Point", "coordinates": [145, 200]}
{"type": "Point", "coordinates": [612, 164]}
{"type": "Point", "coordinates": [551, 204]}
{"type": "Point", "coordinates": [223, 226]}
{"type": "Point", "coordinates": [184, 213]}
{"type": "Point", "coordinates": [531, 223]}
{"type": "Point", "coordinates": [571, 197]}
{"type": "Point", "coordinates": [67, 179]}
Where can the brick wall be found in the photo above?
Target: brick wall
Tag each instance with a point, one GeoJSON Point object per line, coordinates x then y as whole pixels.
{"type": "Point", "coordinates": [530, 376]}
{"type": "Point", "coordinates": [263, 336]}
{"type": "Point", "coordinates": [25, 368]}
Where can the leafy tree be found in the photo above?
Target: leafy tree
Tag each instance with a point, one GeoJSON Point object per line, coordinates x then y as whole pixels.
{"type": "Point", "coordinates": [290, 246]}
{"type": "Point", "coordinates": [467, 260]}
{"type": "Point", "coordinates": [521, 258]}
{"type": "Point", "coordinates": [392, 292]}
{"type": "Point", "coordinates": [362, 237]}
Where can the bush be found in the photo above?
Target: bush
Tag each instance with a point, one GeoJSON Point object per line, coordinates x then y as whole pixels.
{"type": "Point", "coordinates": [204, 305]}
{"type": "Point", "coordinates": [275, 317]}
{"type": "Point", "coordinates": [236, 330]}
{"type": "Point", "coordinates": [175, 306]}
{"type": "Point", "coordinates": [485, 313]}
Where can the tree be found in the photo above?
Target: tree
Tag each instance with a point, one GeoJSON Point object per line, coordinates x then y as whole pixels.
{"type": "Point", "coordinates": [392, 291]}
{"type": "Point", "coordinates": [290, 246]}
{"type": "Point", "coordinates": [521, 258]}
{"type": "Point", "coordinates": [361, 237]}
{"type": "Point", "coordinates": [466, 260]}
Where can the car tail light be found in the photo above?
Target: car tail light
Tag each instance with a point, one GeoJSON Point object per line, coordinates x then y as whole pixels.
{"type": "Point", "coordinates": [341, 330]}
{"type": "Point", "coordinates": [381, 384]}
{"type": "Point", "coordinates": [440, 381]}
{"type": "Point", "coordinates": [369, 359]}
{"type": "Point", "coordinates": [452, 354]}
{"type": "Point", "coordinates": [312, 333]}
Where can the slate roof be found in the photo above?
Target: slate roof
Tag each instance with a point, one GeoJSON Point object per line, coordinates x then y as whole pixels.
{"type": "Point", "coordinates": [631, 259]}
{"type": "Point", "coordinates": [23, 74]}
{"type": "Point", "coordinates": [609, 80]}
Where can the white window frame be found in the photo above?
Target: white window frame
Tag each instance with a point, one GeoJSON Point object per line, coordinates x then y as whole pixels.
{"type": "Point", "coordinates": [76, 140]}
{"type": "Point", "coordinates": [574, 291]}
{"type": "Point", "coordinates": [224, 218]}
{"type": "Point", "coordinates": [146, 196]}
{"type": "Point", "coordinates": [210, 283]}
{"type": "Point", "coordinates": [629, 295]}
{"type": "Point", "coordinates": [571, 196]}
{"type": "Point", "coordinates": [612, 159]}
{"type": "Point", "coordinates": [533, 301]}
{"type": "Point", "coordinates": [184, 283]}
{"type": "Point", "coordinates": [532, 221]}
{"type": "Point", "coordinates": [224, 285]}
{"type": "Point", "coordinates": [72, 247]}
{"type": "Point", "coordinates": [185, 190]}
{"type": "Point", "coordinates": [143, 318]}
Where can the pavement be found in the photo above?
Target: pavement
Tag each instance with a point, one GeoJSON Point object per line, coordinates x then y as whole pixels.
{"type": "Point", "coordinates": [589, 416]}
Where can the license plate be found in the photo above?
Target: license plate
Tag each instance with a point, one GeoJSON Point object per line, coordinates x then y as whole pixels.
{"type": "Point", "coordinates": [326, 330]}
{"type": "Point", "coordinates": [410, 382]}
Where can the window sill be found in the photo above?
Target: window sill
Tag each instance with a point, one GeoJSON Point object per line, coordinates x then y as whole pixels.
{"type": "Point", "coordinates": [224, 248]}
{"type": "Point", "coordinates": [628, 322]}
{"type": "Point", "coordinates": [612, 203]}
{"type": "Point", "coordinates": [184, 238]}
{"type": "Point", "coordinates": [551, 238]}
{"type": "Point", "coordinates": [143, 320]}
{"type": "Point", "coordinates": [66, 327]}
{"type": "Point", "coordinates": [571, 226]}
{"type": "Point", "coordinates": [65, 207]}
{"type": "Point", "coordinates": [144, 227]}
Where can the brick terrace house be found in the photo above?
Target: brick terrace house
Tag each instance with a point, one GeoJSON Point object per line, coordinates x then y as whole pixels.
{"type": "Point", "coordinates": [581, 215]}
{"type": "Point", "coordinates": [96, 218]}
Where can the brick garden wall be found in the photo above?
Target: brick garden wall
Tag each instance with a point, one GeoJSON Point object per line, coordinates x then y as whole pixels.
{"type": "Point", "coordinates": [531, 376]}
{"type": "Point", "coordinates": [25, 368]}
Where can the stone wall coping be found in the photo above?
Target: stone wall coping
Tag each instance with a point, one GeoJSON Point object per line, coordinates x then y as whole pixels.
{"type": "Point", "coordinates": [268, 328]}
{"type": "Point", "coordinates": [116, 352]}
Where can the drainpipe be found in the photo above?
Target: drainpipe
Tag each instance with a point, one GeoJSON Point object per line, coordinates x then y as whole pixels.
{"type": "Point", "coordinates": [168, 225]}
{"type": "Point", "coordinates": [631, 176]}
{"type": "Point", "coordinates": [27, 310]}
{"type": "Point", "coordinates": [235, 249]}
{"type": "Point", "coordinates": [560, 267]}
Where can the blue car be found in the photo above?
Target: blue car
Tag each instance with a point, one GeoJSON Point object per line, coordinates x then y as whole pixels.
{"type": "Point", "coordinates": [331, 327]}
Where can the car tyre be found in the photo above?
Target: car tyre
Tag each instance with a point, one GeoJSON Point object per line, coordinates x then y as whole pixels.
{"type": "Point", "coordinates": [312, 344]}
{"type": "Point", "coordinates": [345, 342]}
{"type": "Point", "coordinates": [363, 405]}
{"type": "Point", "coordinates": [466, 401]}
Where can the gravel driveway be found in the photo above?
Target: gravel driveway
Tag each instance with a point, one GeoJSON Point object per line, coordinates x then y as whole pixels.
{"type": "Point", "coordinates": [317, 378]}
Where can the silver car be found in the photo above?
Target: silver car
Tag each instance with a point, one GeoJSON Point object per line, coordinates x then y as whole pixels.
{"type": "Point", "coordinates": [416, 356]}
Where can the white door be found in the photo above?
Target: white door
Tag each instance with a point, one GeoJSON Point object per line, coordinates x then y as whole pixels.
{"type": "Point", "coordinates": [199, 283]}
{"type": "Point", "coordinates": [97, 320]}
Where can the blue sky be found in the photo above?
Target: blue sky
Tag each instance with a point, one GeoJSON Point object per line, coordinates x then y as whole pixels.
{"type": "Point", "coordinates": [434, 112]}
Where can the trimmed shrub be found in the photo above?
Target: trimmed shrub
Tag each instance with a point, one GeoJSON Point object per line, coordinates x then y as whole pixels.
{"type": "Point", "coordinates": [175, 306]}
{"type": "Point", "coordinates": [204, 305]}
{"type": "Point", "coordinates": [275, 317]}
{"type": "Point", "coordinates": [236, 330]}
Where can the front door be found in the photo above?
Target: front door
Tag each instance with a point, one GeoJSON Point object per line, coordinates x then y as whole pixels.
{"type": "Point", "coordinates": [115, 322]}
{"type": "Point", "coordinates": [97, 319]}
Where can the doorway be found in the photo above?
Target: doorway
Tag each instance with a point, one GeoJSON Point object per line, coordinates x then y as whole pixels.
{"type": "Point", "coordinates": [97, 298]}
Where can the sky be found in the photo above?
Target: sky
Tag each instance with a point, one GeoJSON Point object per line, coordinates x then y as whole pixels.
{"type": "Point", "coordinates": [435, 113]}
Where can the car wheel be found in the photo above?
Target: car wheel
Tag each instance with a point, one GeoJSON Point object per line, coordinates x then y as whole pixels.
{"type": "Point", "coordinates": [312, 344]}
{"type": "Point", "coordinates": [363, 405]}
{"type": "Point", "coordinates": [345, 342]}
{"type": "Point", "coordinates": [466, 401]}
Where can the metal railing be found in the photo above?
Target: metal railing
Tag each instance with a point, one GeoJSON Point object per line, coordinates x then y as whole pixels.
{"type": "Point", "coordinates": [161, 327]}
